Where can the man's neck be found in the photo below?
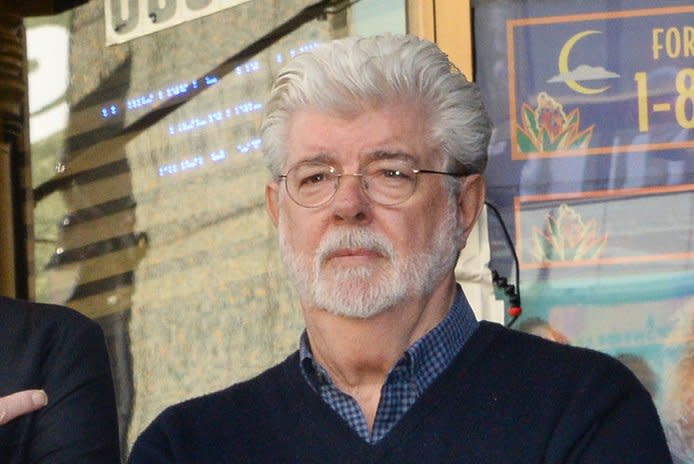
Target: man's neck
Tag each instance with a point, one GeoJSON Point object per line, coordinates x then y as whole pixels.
{"type": "Point", "coordinates": [358, 353]}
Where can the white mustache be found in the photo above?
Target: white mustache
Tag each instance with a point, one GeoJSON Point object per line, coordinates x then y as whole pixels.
{"type": "Point", "coordinates": [338, 239]}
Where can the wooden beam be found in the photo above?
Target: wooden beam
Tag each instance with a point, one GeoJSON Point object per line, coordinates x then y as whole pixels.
{"type": "Point", "coordinates": [420, 19]}
{"type": "Point", "coordinates": [7, 255]}
{"type": "Point", "coordinates": [453, 19]}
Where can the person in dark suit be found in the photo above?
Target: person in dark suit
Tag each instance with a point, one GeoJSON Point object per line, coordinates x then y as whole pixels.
{"type": "Point", "coordinates": [57, 403]}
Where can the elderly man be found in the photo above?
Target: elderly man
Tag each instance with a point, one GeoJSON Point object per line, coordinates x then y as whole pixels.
{"type": "Point", "coordinates": [377, 148]}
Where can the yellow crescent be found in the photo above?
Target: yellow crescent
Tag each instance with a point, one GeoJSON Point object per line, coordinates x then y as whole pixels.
{"type": "Point", "coordinates": [564, 64]}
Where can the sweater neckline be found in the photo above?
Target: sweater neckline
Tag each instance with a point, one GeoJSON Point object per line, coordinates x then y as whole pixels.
{"type": "Point", "coordinates": [327, 426]}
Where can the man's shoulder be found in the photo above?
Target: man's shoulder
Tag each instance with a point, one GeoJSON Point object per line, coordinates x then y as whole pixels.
{"type": "Point", "coordinates": [228, 422]}
{"type": "Point", "coordinates": [265, 383]}
{"type": "Point", "coordinates": [518, 345]}
{"type": "Point", "coordinates": [530, 359]}
{"type": "Point", "coordinates": [40, 336]}
{"type": "Point", "coordinates": [546, 402]}
{"type": "Point", "coordinates": [21, 316]}
{"type": "Point", "coordinates": [239, 398]}
{"type": "Point", "coordinates": [220, 421]}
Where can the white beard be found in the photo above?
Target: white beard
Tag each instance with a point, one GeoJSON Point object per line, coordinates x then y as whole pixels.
{"type": "Point", "coordinates": [367, 290]}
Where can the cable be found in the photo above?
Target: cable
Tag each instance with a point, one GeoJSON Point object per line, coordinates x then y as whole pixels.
{"type": "Point", "coordinates": [513, 292]}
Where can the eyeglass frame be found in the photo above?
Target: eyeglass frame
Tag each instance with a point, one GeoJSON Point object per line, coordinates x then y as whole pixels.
{"type": "Point", "coordinates": [364, 189]}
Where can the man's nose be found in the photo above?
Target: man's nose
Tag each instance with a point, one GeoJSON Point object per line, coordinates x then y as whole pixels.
{"type": "Point", "coordinates": [350, 202]}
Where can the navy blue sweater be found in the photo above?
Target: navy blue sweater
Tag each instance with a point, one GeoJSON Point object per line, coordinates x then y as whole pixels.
{"type": "Point", "coordinates": [508, 397]}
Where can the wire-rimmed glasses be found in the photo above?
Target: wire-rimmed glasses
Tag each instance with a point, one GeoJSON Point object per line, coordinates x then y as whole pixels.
{"type": "Point", "coordinates": [387, 181]}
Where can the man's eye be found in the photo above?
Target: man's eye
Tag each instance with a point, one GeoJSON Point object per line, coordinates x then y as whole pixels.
{"type": "Point", "coordinates": [313, 179]}
{"type": "Point", "coordinates": [392, 173]}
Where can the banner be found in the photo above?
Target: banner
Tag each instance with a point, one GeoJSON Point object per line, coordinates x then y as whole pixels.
{"type": "Point", "coordinates": [592, 164]}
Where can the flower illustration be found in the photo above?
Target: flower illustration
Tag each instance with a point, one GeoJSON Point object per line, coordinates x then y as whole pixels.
{"type": "Point", "coordinates": [547, 128]}
{"type": "Point", "coordinates": [565, 237]}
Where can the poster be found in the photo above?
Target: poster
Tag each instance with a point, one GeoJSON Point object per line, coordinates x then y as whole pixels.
{"type": "Point", "coordinates": [592, 166]}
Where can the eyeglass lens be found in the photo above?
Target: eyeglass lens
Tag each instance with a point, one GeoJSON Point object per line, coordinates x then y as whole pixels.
{"type": "Point", "coordinates": [385, 181]}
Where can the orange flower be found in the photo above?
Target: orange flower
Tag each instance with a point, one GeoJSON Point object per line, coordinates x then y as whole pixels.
{"type": "Point", "coordinates": [547, 128]}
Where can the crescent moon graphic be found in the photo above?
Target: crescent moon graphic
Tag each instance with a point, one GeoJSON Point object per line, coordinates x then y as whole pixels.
{"type": "Point", "coordinates": [564, 64]}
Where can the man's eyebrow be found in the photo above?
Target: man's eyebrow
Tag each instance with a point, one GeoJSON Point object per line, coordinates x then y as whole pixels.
{"type": "Point", "coordinates": [388, 154]}
{"type": "Point", "coordinates": [321, 158]}
{"type": "Point", "coordinates": [324, 157]}
{"type": "Point", "coordinates": [329, 158]}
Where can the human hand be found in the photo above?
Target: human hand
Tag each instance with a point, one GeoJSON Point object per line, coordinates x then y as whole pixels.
{"type": "Point", "coordinates": [20, 403]}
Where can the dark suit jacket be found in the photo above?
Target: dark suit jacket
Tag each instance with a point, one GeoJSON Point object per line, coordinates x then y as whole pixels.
{"type": "Point", "coordinates": [63, 352]}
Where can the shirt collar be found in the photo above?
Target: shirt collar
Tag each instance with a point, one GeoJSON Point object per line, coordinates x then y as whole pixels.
{"type": "Point", "coordinates": [425, 359]}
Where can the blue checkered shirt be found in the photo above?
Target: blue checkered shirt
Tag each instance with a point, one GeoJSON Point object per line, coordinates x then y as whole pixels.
{"type": "Point", "coordinates": [412, 374]}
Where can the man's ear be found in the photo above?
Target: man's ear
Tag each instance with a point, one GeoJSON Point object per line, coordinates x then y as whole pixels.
{"type": "Point", "coordinates": [470, 202]}
{"type": "Point", "coordinates": [272, 201]}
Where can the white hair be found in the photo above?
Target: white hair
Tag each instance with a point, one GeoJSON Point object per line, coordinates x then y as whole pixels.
{"type": "Point", "coordinates": [352, 75]}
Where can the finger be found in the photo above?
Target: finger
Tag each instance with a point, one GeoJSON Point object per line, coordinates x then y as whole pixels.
{"type": "Point", "coordinates": [20, 403]}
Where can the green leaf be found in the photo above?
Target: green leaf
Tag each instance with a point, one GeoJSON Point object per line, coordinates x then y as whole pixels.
{"type": "Point", "coordinates": [572, 119]}
{"type": "Point", "coordinates": [543, 249]}
{"type": "Point", "coordinates": [525, 143]}
{"type": "Point", "coordinates": [529, 119]}
{"type": "Point", "coordinates": [583, 139]}
{"type": "Point", "coordinates": [553, 145]}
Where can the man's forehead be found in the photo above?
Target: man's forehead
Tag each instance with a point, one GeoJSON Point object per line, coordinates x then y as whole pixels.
{"type": "Point", "coordinates": [376, 132]}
